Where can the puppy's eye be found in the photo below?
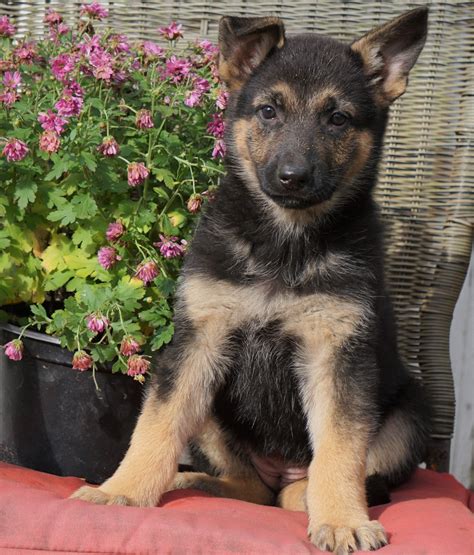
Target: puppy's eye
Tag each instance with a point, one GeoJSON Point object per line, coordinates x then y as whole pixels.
{"type": "Point", "coordinates": [268, 112]}
{"type": "Point", "coordinates": [338, 118]}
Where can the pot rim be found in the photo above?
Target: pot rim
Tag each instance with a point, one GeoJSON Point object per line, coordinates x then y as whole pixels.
{"type": "Point", "coordinates": [38, 336]}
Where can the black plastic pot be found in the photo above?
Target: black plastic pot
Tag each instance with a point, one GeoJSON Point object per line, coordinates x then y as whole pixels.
{"type": "Point", "coordinates": [53, 419]}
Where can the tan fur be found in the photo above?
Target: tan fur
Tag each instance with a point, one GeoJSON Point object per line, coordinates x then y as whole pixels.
{"type": "Point", "coordinates": [213, 443]}
{"type": "Point", "coordinates": [319, 100]}
{"type": "Point", "coordinates": [242, 53]}
{"type": "Point", "coordinates": [287, 221]}
{"type": "Point", "coordinates": [237, 480]}
{"type": "Point", "coordinates": [285, 96]}
{"type": "Point", "coordinates": [323, 318]}
{"type": "Point", "coordinates": [336, 479]}
{"type": "Point", "coordinates": [234, 486]}
{"type": "Point", "coordinates": [293, 496]}
{"type": "Point", "coordinates": [390, 446]}
{"type": "Point", "coordinates": [364, 149]}
{"type": "Point", "coordinates": [394, 82]}
{"type": "Point", "coordinates": [230, 75]}
{"type": "Point", "coordinates": [163, 429]}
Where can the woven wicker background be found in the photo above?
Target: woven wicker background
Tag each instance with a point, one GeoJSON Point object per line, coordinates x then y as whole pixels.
{"type": "Point", "coordinates": [426, 186]}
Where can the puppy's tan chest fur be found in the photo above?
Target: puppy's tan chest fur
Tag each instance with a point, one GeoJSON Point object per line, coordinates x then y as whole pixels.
{"type": "Point", "coordinates": [318, 316]}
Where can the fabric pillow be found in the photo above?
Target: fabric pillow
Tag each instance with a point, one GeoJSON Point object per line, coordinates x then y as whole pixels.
{"type": "Point", "coordinates": [427, 516]}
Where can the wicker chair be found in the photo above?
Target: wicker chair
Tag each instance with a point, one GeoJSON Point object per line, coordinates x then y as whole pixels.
{"type": "Point", "coordinates": [427, 175]}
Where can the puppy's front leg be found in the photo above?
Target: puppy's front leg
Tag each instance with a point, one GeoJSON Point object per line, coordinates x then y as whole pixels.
{"type": "Point", "coordinates": [174, 410]}
{"type": "Point", "coordinates": [339, 419]}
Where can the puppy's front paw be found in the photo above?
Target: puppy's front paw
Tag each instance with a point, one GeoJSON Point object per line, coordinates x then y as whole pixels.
{"type": "Point", "coordinates": [99, 497]}
{"type": "Point", "coordinates": [369, 536]}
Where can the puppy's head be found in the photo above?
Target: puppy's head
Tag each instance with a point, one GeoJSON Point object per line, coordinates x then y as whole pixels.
{"type": "Point", "coordinates": [307, 113]}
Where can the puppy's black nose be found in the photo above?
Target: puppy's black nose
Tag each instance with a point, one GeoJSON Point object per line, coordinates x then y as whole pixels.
{"type": "Point", "coordinates": [293, 177]}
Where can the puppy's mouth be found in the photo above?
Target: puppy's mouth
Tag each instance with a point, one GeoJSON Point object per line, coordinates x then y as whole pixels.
{"type": "Point", "coordinates": [300, 200]}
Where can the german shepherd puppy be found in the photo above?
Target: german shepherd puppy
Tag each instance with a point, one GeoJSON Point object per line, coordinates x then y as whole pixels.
{"type": "Point", "coordinates": [284, 371]}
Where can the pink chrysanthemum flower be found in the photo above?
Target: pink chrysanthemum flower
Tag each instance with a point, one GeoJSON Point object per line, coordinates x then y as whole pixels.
{"type": "Point", "coordinates": [129, 346]}
{"type": "Point", "coordinates": [15, 150]}
{"type": "Point", "coordinates": [94, 10]}
{"type": "Point", "coordinates": [97, 322]}
{"type": "Point", "coordinates": [170, 247]}
{"type": "Point", "coordinates": [9, 97]}
{"type": "Point", "coordinates": [119, 43]}
{"type": "Point", "coordinates": [216, 126]}
{"type": "Point", "coordinates": [114, 231]}
{"type": "Point", "coordinates": [151, 50]}
{"type": "Point", "coordinates": [49, 142]}
{"type": "Point", "coordinates": [12, 79]}
{"type": "Point", "coordinates": [107, 257]}
{"type": "Point", "coordinates": [25, 53]}
{"type": "Point", "coordinates": [51, 122]}
{"type": "Point", "coordinates": [52, 17]}
{"type": "Point", "coordinates": [172, 31]}
{"type": "Point", "coordinates": [58, 31]}
{"type": "Point", "coordinates": [201, 84]}
{"type": "Point", "coordinates": [88, 45]}
{"type": "Point", "coordinates": [14, 349]}
{"type": "Point", "coordinates": [69, 105]}
{"type": "Point", "coordinates": [137, 173]}
{"type": "Point", "coordinates": [136, 365]}
{"type": "Point", "coordinates": [62, 65]}
{"type": "Point", "coordinates": [177, 69]}
{"type": "Point", "coordinates": [7, 29]}
{"type": "Point", "coordinates": [147, 271]}
{"type": "Point", "coordinates": [219, 149]}
{"type": "Point", "coordinates": [193, 98]}
{"type": "Point", "coordinates": [109, 147]}
{"type": "Point", "coordinates": [144, 119]}
{"type": "Point", "coordinates": [101, 63]}
{"type": "Point", "coordinates": [208, 47]}
{"type": "Point", "coordinates": [73, 87]}
{"type": "Point", "coordinates": [194, 203]}
{"type": "Point", "coordinates": [81, 361]}
{"type": "Point", "coordinates": [222, 100]}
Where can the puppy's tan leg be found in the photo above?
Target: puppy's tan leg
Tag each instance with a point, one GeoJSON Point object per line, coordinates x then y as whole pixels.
{"type": "Point", "coordinates": [237, 478]}
{"type": "Point", "coordinates": [340, 417]}
{"type": "Point", "coordinates": [166, 423]}
{"type": "Point", "coordinates": [293, 496]}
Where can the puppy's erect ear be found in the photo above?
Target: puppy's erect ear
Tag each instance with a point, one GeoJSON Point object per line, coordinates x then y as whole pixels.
{"type": "Point", "coordinates": [244, 43]}
{"type": "Point", "coordinates": [391, 50]}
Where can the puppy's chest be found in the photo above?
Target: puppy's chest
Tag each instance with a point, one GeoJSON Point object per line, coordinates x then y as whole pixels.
{"type": "Point", "coordinates": [259, 403]}
{"type": "Point", "coordinates": [224, 306]}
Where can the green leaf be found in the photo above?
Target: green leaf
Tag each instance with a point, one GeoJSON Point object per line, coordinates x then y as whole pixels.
{"type": "Point", "coordinates": [165, 176]}
{"type": "Point", "coordinates": [129, 294]}
{"type": "Point", "coordinates": [25, 192]}
{"type": "Point", "coordinates": [56, 280]}
{"type": "Point", "coordinates": [82, 236]}
{"type": "Point", "coordinates": [89, 161]}
{"type": "Point", "coordinates": [162, 337]}
{"type": "Point", "coordinates": [93, 296]}
{"type": "Point", "coordinates": [97, 103]}
{"type": "Point", "coordinates": [84, 206]}
{"type": "Point", "coordinates": [39, 311]}
{"type": "Point", "coordinates": [166, 286]}
{"type": "Point", "coordinates": [118, 366]}
{"type": "Point", "coordinates": [65, 215]}
{"type": "Point", "coordinates": [4, 239]}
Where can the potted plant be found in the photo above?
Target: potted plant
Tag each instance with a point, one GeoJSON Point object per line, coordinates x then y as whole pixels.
{"type": "Point", "coordinates": [108, 150]}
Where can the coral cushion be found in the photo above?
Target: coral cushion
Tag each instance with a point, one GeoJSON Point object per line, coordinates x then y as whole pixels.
{"type": "Point", "coordinates": [430, 515]}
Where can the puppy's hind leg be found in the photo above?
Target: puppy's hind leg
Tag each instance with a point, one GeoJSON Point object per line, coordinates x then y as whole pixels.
{"type": "Point", "coordinates": [175, 409]}
{"type": "Point", "coordinates": [400, 444]}
{"type": "Point", "coordinates": [233, 474]}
